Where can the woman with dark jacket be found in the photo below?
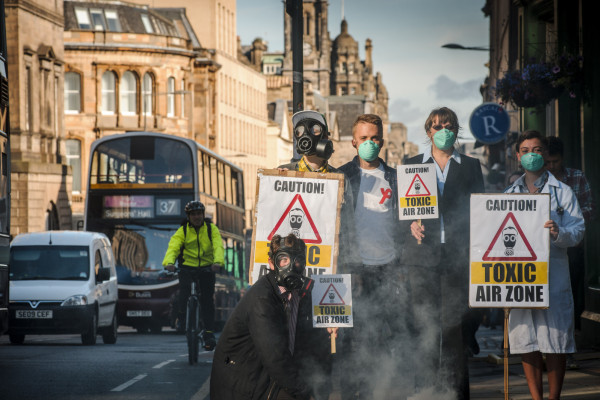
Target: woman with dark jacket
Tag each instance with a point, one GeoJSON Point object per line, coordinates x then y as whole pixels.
{"type": "Point", "coordinates": [439, 265]}
{"type": "Point", "coordinates": [254, 358]}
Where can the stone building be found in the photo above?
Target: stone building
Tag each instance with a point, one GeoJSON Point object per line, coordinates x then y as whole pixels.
{"type": "Point", "coordinates": [398, 148]}
{"type": "Point", "coordinates": [336, 82]}
{"type": "Point", "coordinates": [553, 30]}
{"type": "Point", "coordinates": [232, 94]}
{"type": "Point", "coordinates": [316, 46]}
{"type": "Point", "coordinates": [41, 182]}
{"type": "Point", "coordinates": [355, 89]}
{"type": "Point", "coordinates": [127, 67]}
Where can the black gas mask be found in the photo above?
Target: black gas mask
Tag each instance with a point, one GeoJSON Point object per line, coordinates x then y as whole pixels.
{"type": "Point", "coordinates": [289, 264]}
{"type": "Point", "coordinates": [310, 132]}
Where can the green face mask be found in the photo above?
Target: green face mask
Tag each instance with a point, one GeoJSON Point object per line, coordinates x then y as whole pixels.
{"type": "Point", "coordinates": [368, 150]}
{"type": "Point", "coordinates": [532, 161]}
{"type": "Point", "coordinates": [444, 139]}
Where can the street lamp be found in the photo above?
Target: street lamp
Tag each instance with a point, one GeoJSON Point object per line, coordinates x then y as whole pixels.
{"type": "Point", "coordinates": [455, 46]}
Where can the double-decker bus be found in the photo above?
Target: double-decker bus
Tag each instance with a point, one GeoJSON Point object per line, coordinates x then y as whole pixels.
{"type": "Point", "coordinates": [138, 186]}
{"type": "Point", "coordinates": [4, 176]}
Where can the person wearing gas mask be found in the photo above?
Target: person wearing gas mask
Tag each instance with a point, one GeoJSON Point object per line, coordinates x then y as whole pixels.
{"type": "Point", "coordinates": [312, 142]}
{"type": "Point", "coordinates": [380, 280]}
{"type": "Point", "coordinates": [549, 331]}
{"type": "Point", "coordinates": [268, 348]}
{"type": "Point", "coordinates": [438, 268]}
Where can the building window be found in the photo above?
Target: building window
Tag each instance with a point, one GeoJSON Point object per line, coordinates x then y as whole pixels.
{"type": "Point", "coordinates": [352, 90]}
{"type": "Point", "coordinates": [72, 93]}
{"type": "Point", "coordinates": [28, 116]}
{"type": "Point", "coordinates": [108, 93]}
{"type": "Point", "coordinates": [74, 160]}
{"type": "Point", "coordinates": [83, 18]}
{"type": "Point", "coordinates": [147, 84]}
{"type": "Point", "coordinates": [170, 97]}
{"type": "Point", "coordinates": [183, 98]}
{"type": "Point", "coordinates": [56, 100]}
{"type": "Point", "coordinates": [147, 23]}
{"type": "Point", "coordinates": [112, 19]}
{"type": "Point", "coordinates": [128, 94]}
{"type": "Point", "coordinates": [101, 20]}
{"type": "Point", "coordinates": [98, 19]}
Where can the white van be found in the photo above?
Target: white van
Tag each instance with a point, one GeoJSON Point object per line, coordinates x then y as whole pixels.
{"type": "Point", "coordinates": [62, 282]}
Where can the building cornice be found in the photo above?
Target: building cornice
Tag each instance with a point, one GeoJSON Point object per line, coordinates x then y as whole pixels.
{"type": "Point", "coordinates": [40, 12]}
{"type": "Point", "coordinates": [207, 62]}
{"type": "Point", "coordinates": [82, 46]}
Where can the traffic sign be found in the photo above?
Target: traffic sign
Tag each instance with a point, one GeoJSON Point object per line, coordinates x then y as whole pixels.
{"type": "Point", "coordinates": [489, 123]}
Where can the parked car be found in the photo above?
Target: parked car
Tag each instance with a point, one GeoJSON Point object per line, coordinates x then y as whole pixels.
{"type": "Point", "coordinates": [63, 282]}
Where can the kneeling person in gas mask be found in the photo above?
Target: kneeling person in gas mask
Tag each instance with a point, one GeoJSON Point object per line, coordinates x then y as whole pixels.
{"type": "Point", "coordinates": [257, 356]}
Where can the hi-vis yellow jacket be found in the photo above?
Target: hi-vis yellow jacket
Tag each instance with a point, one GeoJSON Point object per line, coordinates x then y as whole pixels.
{"type": "Point", "coordinates": [198, 250]}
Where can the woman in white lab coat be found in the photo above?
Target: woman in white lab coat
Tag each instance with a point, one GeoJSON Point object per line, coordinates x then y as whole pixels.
{"type": "Point", "coordinates": [550, 331]}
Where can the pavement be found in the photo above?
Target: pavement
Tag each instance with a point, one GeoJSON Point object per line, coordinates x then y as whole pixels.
{"type": "Point", "coordinates": [486, 371]}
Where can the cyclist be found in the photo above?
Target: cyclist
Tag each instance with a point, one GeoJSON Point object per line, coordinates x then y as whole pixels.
{"type": "Point", "coordinates": [198, 247]}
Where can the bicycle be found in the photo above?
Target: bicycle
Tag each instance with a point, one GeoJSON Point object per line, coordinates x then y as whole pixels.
{"type": "Point", "coordinates": [194, 326]}
{"type": "Point", "coordinates": [194, 329]}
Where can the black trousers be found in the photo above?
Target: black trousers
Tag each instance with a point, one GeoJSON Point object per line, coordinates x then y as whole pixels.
{"type": "Point", "coordinates": [205, 286]}
{"type": "Point", "coordinates": [440, 308]}
{"type": "Point", "coordinates": [374, 351]}
{"type": "Point", "coordinates": [577, 275]}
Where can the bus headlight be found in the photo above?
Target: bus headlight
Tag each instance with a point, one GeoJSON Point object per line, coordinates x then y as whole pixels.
{"type": "Point", "coordinates": [77, 300]}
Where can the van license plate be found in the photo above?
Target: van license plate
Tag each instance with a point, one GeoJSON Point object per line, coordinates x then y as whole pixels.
{"type": "Point", "coordinates": [139, 313]}
{"type": "Point", "coordinates": [34, 314]}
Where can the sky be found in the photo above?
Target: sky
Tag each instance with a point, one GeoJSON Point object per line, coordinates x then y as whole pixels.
{"type": "Point", "coordinates": [407, 37]}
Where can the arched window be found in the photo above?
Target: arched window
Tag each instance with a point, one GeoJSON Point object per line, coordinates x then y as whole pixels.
{"type": "Point", "coordinates": [170, 97]}
{"type": "Point", "coordinates": [128, 94]}
{"type": "Point", "coordinates": [72, 93]}
{"type": "Point", "coordinates": [74, 160]}
{"type": "Point", "coordinates": [108, 93]}
{"type": "Point", "coordinates": [147, 85]}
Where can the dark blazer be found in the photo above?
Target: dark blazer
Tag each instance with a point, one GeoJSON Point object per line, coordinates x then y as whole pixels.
{"type": "Point", "coordinates": [252, 357]}
{"type": "Point", "coordinates": [462, 180]}
{"type": "Point", "coordinates": [352, 171]}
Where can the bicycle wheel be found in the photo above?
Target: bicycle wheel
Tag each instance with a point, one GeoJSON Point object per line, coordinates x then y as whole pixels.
{"type": "Point", "coordinates": [196, 330]}
{"type": "Point", "coordinates": [191, 330]}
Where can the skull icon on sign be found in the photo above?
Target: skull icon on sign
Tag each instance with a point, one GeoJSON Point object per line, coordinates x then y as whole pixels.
{"type": "Point", "coordinates": [296, 217]}
{"type": "Point", "coordinates": [509, 236]}
{"type": "Point", "coordinates": [417, 187]}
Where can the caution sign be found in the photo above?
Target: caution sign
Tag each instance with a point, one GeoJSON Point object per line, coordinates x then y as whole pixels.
{"type": "Point", "coordinates": [332, 301]}
{"type": "Point", "coordinates": [297, 213]}
{"type": "Point", "coordinates": [417, 191]}
{"type": "Point", "coordinates": [306, 204]}
{"type": "Point", "coordinates": [510, 250]}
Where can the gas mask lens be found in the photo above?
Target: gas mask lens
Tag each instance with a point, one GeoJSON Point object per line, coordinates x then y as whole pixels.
{"type": "Point", "coordinates": [299, 130]}
{"type": "Point", "coordinates": [317, 129]}
{"type": "Point", "coordinates": [295, 262]}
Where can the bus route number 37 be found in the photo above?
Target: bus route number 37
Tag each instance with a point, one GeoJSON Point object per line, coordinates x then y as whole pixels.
{"type": "Point", "coordinates": [168, 207]}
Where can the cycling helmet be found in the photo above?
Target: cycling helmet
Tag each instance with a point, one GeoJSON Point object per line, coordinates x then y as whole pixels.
{"type": "Point", "coordinates": [194, 205]}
